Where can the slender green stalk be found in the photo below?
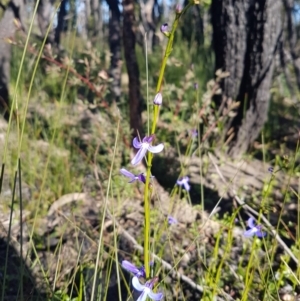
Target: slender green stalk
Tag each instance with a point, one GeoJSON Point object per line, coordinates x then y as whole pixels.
{"type": "Point", "coordinates": [8, 237]}
{"type": "Point", "coordinates": [1, 176]}
{"type": "Point", "coordinates": [14, 100]}
{"type": "Point", "coordinates": [100, 243]}
{"type": "Point", "coordinates": [147, 87]}
{"type": "Point", "coordinates": [117, 257]}
{"type": "Point", "coordinates": [18, 167]}
{"type": "Point", "coordinates": [148, 189]}
{"type": "Point", "coordinates": [21, 229]}
{"type": "Point", "coordinates": [34, 70]}
{"type": "Point", "coordinates": [168, 51]}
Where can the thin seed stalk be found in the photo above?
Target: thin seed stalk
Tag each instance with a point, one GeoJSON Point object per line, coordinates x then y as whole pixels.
{"type": "Point", "coordinates": [147, 217]}
{"type": "Point", "coordinates": [147, 192]}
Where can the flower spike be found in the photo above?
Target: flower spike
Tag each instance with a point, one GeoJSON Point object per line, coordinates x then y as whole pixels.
{"type": "Point", "coordinates": [143, 147]}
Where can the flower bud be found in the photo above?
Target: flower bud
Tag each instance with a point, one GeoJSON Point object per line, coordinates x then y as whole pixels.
{"type": "Point", "coordinates": [178, 9]}
{"type": "Point", "coordinates": [164, 29]}
{"type": "Point", "coordinates": [158, 99]}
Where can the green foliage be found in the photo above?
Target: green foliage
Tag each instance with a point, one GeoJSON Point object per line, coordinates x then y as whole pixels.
{"type": "Point", "coordinates": [69, 147]}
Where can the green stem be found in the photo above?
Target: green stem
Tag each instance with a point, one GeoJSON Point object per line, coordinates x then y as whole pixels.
{"type": "Point", "coordinates": [148, 189]}
{"type": "Point", "coordinates": [147, 218]}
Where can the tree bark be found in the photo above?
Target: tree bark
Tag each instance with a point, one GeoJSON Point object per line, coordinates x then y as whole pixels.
{"type": "Point", "coordinates": [44, 13]}
{"type": "Point", "coordinates": [246, 35]}
{"type": "Point", "coordinates": [289, 6]}
{"type": "Point", "coordinates": [60, 22]}
{"type": "Point", "coordinates": [87, 16]}
{"type": "Point", "coordinates": [115, 47]}
{"type": "Point", "coordinates": [97, 22]}
{"type": "Point", "coordinates": [100, 27]}
{"type": "Point", "coordinates": [147, 17]}
{"type": "Point", "coordinates": [135, 100]}
{"type": "Point", "coordinates": [8, 28]}
{"type": "Point", "coordinates": [193, 28]}
{"type": "Point", "coordinates": [81, 21]}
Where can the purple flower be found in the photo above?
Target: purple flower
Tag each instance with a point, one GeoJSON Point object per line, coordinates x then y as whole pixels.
{"type": "Point", "coordinates": [130, 267]}
{"type": "Point", "coordinates": [164, 28]}
{"type": "Point", "coordinates": [184, 181]}
{"type": "Point", "coordinates": [270, 169]}
{"type": "Point", "coordinates": [194, 133]}
{"type": "Point", "coordinates": [143, 147]}
{"type": "Point", "coordinates": [254, 229]}
{"type": "Point", "coordinates": [158, 99]}
{"type": "Point", "coordinates": [133, 177]}
{"type": "Point", "coordinates": [146, 289]}
{"type": "Point", "coordinates": [172, 220]}
{"type": "Point", "coordinates": [196, 86]}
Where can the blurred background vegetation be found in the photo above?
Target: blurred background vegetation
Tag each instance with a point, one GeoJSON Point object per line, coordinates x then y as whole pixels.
{"type": "Point", "coordinates": [74, 74]}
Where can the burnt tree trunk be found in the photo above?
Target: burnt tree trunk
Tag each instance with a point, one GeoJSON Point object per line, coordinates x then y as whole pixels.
{"type": "Point", "coordinates": [193, 27]}
{"type": "Point", "coordinates": [289, 6]}
{"type": "Point", "coordinates": [246, 35]}
{"type": "Point", "coordinates": [60, 22]}
{"type": "Point", "coordinates": [148, 21]}
{"type": "Point", "coordinates": [81, 20]}
{"type": "Point", "coordinates": [8, 27]}
{"type": "Point", "coordinates": [135, 99]}
{"type": "Point", "coordinates": [115, 47]}
{"type": "Point", "coordinates": [87, 17]}
{"type": "Point", "coordinates": [45, 13]}
{"type": "Point", "coordinates": [97, 22]}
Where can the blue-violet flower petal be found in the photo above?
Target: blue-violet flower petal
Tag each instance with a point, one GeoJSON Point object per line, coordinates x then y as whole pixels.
{"type": "Point", "coordinates": [164, 28]}
{"type": "Point", "coordinates": [172, 220]}
{"type": "Point", "coordinates": [184, 181]}
{"type": "Point", "coordinates": [143, 147]}
{"type": "Point", "coordinates": [254, 229]}
{"type": "Point", "coordinates": [138, 272]}
{"type": "Point", "coordinates": [146, 289]}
